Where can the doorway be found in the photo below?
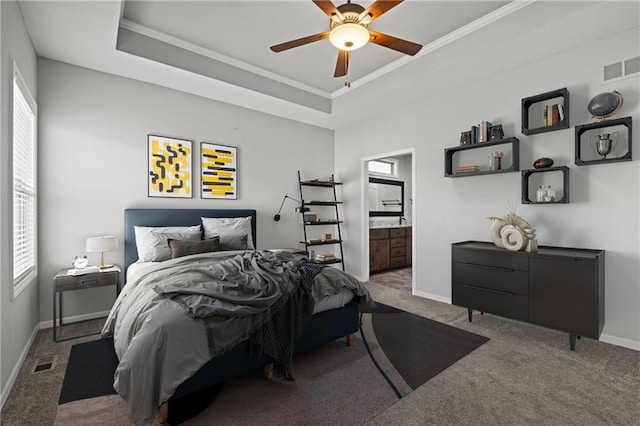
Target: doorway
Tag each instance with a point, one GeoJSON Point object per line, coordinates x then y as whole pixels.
{"type": "Point", "coordinates": [389, 219]}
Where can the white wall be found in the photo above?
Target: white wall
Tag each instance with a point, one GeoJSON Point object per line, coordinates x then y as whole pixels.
{"type": "Point", "coordinates": [93, 150]}
{"type": "Point", "coordinates": [459, 91]}
{"type": "Point", "coordinates": [18, 317]}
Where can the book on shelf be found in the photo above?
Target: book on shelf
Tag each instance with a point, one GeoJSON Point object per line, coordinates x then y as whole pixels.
{"type": "Point", "coordinates": [483, 131]}
{"type": "Point", "coordinates": [325, 257]}
{"type": "Point", "coordinates": [561, 111]}
{"type": "Point", "coordinates": [474, 135]}
{"type": "Point", "coordinates": [555, 115]}
{"type": "Point", "coordinates": [552, 114]}
{"type": "Point", "coordinates": [469, 168]}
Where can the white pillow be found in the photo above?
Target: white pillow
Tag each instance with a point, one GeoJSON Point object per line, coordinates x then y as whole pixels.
{"type": "Point", "coordinates": [152, 242]}
{"type": "Point", "coordinates": [228, 227]}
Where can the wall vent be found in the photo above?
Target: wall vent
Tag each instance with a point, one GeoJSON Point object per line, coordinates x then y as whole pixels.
{"type": "Point", "coordinates": [618, 69]}
{"type": "Point", "coordinates": [632, 66]}
{"type": "Point", "coordinates": [612, 71]}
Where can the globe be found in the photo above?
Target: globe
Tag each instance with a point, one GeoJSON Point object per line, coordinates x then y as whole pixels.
{"type": "Point", "coordinates": [605, 104]}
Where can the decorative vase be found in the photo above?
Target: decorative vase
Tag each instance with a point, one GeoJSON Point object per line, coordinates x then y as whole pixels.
{"type": "Point", "coordinates": [513, 238]}
{"type": "Point", "coordinates": [494, 232]}
{"type": "Point", "coordinates": [545, 194]}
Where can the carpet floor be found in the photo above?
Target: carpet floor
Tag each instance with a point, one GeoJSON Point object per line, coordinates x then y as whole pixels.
{"type": "Point", "coordinates": [407, 348]}
{"type": "Point", "coordinates": [525, 375]}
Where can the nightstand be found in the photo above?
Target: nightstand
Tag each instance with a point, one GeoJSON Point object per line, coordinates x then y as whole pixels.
{"type": "Point", "coordinates": [64, 282]}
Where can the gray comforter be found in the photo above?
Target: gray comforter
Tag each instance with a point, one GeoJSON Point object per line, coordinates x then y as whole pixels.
{"type": "Point", "coordinates": [173, 317]}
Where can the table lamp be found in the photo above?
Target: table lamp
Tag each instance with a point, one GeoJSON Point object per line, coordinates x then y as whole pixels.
{"type": "Point", "coordinates": [102, 244]}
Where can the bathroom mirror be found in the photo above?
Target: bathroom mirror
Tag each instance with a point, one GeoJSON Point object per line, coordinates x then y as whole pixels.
{"type": "Point", "coordinates": [386, 197]}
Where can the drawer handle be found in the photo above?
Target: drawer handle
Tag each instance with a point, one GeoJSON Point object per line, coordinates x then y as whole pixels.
{"type": "Point", "coordinates": [490, 290]}
{"type": "Point", "coordinates": [89, 282]}
{"type": "Point", "coordinates": [490, 267]}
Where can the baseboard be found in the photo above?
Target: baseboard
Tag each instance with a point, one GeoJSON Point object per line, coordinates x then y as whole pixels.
{"type": "Point", "coordinates": [69, 320]}
{"type": "Point", "coordinates": [606, 338]}
{"type": "Point", "coordinates": [17, 367]}
{"type": "Point", "coordinates": [432, 296]}
{"type": "Point", "coordinates": [619, 341]}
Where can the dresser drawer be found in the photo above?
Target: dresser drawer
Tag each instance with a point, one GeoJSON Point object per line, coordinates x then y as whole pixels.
{"type": "Point", "coordinates": [398, 232]}
{"type": "Point", "coordinates": [492, 301]}
{"type": "Point", "coordinates": [499, 259]}
{"type": "Point", "coordinates": [89, 280]}
{"type": "Point", "coordinates": [491, 277]}
{"type": "Point", "coordinates": [397, 242]}
{"type": "Point", "coordinates": [398, 251]}
{"type": "Point", "coordinates": [378, 234]}
{"type": "Point", "coordinates": [395, 262]}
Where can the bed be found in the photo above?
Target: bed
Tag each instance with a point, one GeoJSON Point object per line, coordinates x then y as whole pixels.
{"type": "Point", "coordinates": [321, 328]}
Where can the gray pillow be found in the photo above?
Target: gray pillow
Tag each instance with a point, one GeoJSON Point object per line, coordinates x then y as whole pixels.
{"type": "Point", "coordinates": [234, 242]}
{"type": "Point", "coordinates": [181, 248]}
{"type": "Point", "coordinates": [152, 244]}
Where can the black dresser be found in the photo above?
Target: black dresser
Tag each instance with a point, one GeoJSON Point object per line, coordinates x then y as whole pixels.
{"type": "Point", "coordinates": [557, 287]}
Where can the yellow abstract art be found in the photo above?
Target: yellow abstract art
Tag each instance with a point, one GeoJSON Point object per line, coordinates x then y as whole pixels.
{"type": "Point", "coordinates": [218, 171]}
{"type": "Point", "coordinates": [170, 170]}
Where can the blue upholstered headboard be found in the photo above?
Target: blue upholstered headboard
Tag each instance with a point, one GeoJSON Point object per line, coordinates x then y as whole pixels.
{"type": "Point", "coordinates": [171, 217]}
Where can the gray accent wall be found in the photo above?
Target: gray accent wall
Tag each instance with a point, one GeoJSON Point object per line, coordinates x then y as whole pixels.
{"type": "Point", "coordinates": [19, 315]}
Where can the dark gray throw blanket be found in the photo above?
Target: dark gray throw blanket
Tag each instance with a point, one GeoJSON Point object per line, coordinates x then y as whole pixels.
{"type": "Point", "coordinates": [273, 288]}
{"type": "Point", "coordinates": [278, 336]}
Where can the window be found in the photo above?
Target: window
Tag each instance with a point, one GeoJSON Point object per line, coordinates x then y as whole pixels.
{"type": "Point", "coordinates": [384, 167]}
{"type": "Point", "coordinates": [24, 184]}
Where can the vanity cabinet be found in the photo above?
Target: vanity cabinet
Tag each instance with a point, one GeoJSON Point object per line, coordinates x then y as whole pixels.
{"type": "Point", "coordinates": [389, 248]}
{"type": "Point", "coordinates": [556, 287]}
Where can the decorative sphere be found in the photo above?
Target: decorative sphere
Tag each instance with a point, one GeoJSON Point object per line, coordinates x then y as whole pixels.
{"type": "Point", "coordinates": [605, 104]}
{"type": "Point", "coordinates": [542, 163]}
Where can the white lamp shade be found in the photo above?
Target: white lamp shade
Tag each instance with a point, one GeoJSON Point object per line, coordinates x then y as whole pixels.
{"type": "Point", "coordinates": [349, 36]}
{"type": "Point", "coordinates": [107, 243]}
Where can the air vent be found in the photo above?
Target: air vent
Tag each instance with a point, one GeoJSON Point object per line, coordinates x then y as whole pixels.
{"type": "Point", "coordinates": [618, 69]}
{"type": "Point", "coordinates": [632, 66]}
{"type": "Point", "coordinates": [44, 363]}
{"type": "Point", "coordinates": [612, 71]}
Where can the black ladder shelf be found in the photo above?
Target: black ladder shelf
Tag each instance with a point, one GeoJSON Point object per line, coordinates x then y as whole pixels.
{"type": "Point", "coordinates": [305, 207]}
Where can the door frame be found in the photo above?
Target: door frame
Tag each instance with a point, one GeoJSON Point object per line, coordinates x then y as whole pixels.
{"type": "Point", "coordinates": [365, 211]}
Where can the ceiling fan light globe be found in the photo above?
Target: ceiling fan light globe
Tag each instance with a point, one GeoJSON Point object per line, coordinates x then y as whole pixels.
{"type": "Point", "coordinates": [349, 36]}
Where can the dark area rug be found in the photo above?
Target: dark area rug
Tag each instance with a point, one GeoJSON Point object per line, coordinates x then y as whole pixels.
{"type": "Point", "coordinates": [395, 352]}
{"type": "Point", "coordinates": [437, 345]}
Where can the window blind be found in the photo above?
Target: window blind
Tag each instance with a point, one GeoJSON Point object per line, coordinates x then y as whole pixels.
{"type": "Point", "coordinates": [24, 182]}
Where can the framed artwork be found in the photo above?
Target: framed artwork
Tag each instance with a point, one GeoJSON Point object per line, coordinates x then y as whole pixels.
{"type": "Point", "coordinates": [170, 169]}
{"type": "Point", "coordinates": [218, 171]}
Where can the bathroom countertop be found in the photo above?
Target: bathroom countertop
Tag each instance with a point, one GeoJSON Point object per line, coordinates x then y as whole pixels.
{"type": "Point", "coordinates": [379, 226]}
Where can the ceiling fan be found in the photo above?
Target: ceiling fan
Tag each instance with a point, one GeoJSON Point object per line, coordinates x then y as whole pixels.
{"type": "Point", "coordinates": [348, 31]}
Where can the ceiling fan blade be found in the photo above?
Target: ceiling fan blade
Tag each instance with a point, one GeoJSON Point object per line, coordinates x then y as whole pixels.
{"type": "Point", "coordinates": [329, 8]}
{"type": "Point", "coordinates": [377, 9]}
{"type": "Point", "coordinates": [404, 46]}
{"type": "Point", "coordinates": [342, 66]}
{"type": "Point", "coordinates": [299, 42]}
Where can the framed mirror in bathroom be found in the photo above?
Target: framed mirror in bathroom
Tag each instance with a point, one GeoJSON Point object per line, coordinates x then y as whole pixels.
{"type": "Point", "coordinates": [386, 197]}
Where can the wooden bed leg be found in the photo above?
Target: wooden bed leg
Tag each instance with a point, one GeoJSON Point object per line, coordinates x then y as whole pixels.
{"type": "Point", "coordinates": [268, 371]}
{"type": "Point", "coordinates": [163, 413]}
{"type": "Point", "coordinates": [350, 339]}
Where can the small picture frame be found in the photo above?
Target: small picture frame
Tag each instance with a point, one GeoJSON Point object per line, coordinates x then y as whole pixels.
{"type": "Point", "coordinates": [465, 138]}
{"type": "Point", "coordinates": [496, 132]}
